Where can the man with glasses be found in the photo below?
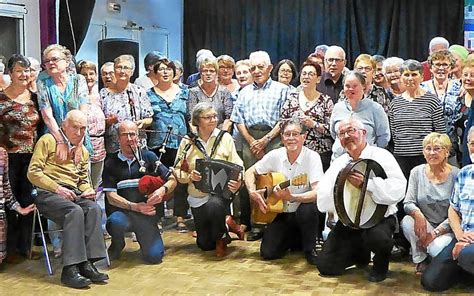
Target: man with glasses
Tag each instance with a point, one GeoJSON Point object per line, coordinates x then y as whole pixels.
{"type": "Point", "coordinates": [107, 74]}
{"type": "Point", "coordinates": [256, 113]}
{"type": "Point", "coordinates": [297, 226]}
{"type": "Point", "coordinates": [345, 246]}
{"type": "Point", "coordinates": [331, 80]}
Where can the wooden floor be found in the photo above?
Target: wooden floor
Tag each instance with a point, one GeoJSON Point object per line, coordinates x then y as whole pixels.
{"type": "Point", "coordinates": [187, 270]}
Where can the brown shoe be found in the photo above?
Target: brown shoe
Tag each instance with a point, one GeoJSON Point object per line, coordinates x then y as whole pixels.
{"type": "Point", "coordinates": [234, 227]}
{"type": "Point", "coordinates": [221, 248]}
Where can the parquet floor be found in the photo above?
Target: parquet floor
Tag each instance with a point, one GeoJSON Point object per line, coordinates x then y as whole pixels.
{"type": "Point", "coordinates": [188, 271]}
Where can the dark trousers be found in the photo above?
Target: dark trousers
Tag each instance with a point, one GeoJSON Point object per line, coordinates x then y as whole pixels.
{"type": "Point", "coordinates": [346, 246]}
{"type": "Point", "coordinates": [443, 272]}
{"type": "Point", "coordinates": [209, 220]}
{"type": "Point", "coordinates": [290, 231]}
{"type": "Point", "coordinates": [19, 227]}
{"type": "Point", "coordinates": [81, 223]}
{"type": "Point", "coordinates": [145, 228]}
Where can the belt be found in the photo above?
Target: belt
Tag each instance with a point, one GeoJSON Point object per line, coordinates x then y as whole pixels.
{"type": "Point", "coordinates": [261, 127]}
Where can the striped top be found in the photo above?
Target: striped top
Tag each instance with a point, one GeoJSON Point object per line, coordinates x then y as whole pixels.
{"type": "Point", "coordinates": [411, 121]}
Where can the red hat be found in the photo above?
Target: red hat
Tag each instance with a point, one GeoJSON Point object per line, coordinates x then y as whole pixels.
{"type": "Point", "coordinates": [148, 184]}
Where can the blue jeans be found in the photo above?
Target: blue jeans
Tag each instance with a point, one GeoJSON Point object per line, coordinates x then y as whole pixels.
{"type": "Point", "coordinates": [145, 228]}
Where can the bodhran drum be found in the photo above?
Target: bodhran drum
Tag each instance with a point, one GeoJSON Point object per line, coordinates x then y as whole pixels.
{"type": "Point", "coordinates": [355, 206]}
{"type": "Point", "coordinates": [215, 175]}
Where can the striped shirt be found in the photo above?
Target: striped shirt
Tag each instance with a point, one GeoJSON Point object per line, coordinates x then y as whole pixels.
{"type": "Point", "coordinates": [462, 199]}
{"type": "Point", "coordinates": [411, 121]}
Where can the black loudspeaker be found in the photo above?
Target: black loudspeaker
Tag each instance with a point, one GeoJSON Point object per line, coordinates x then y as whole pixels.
{"type": "Point", "coordinates": [111, 48]}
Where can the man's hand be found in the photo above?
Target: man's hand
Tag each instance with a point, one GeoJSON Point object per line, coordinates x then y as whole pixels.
{"type": "Point", "coordinates": [27, 210]}
{"type": "Point", "coordinates": [234, 186]}
{"type": "Point", "coordinates": [62, 151]}
{"type": "Point", "coordinates": [283, 194]}
{"type": "Point", "coordinates": [257, 146]}
{"type": "Point", "coordinates": [467, 237]}
{"type": "Point", "coordinates": [145, 209]}
{"type": "Point", "coordinates": [89, 194]}
{"type": "Point", "coordinates": [156, 196]}
{"type": "Point", "coordinates": [356, 178]}
{"type": "Point", "coordinates": [195, 176]}
{"type": "Point", "coordinates": [66, 193]}
{"type": "Point", "coordinates": [257, 197]}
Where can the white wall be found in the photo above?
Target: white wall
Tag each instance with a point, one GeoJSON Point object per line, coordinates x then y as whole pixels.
{"type": "Point", "coordinates": [32, 27]}
{"type": "Point", "coordinates": [162, 21]}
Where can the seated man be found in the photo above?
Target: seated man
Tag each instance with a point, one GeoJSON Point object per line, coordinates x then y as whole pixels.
{"type": "Point", "coordinates": [297, 226]}
{"type": "Point", "coordinates": [66, 197]}
{"type": "Point", "coordinates": [345, 246]}
{"type": "Point", "coordinates": [456, 260]}
{"type": "Point", "coordinates": [129, 210]}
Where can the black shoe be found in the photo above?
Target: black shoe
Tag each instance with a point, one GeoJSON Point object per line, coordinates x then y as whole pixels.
{"type": "Point", "coordinates": [399, 253]}
{"type": "Point", "coordinates": [377, 276]}
{"type": "Point", "coordinates": [311, 257]}
{"type": "Point", "coordinates": [254, 234]}
{"type": "Point", "coordinates": [115, 249]}
{"type": "Point", "coordinates": [89, 271]}
{"type": "Point", "coordinates": [73, 279]}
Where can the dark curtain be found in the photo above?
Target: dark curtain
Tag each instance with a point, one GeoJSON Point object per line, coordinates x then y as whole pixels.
{"type": "Point", "coordinates": [292, 28]}
{"type": "Point", "coordinates": [47, 23]}
{"type": "Point", "coordinates": [80, 13]}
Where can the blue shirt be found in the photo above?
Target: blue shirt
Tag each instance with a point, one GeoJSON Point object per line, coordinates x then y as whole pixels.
{"type": "Point", "coordinates": [462, 199]}
{"type": "Point", "coordinates": [260, 105]}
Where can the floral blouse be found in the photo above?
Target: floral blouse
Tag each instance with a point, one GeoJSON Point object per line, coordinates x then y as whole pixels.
{"type": "Point", "coordinates": [131, 104]}
{"type": "Point", "coordinates": [321, 112]}
{"type": "Point", "coordinates": [168, 114]}
{"type": "Point", "coordinates": [96, 126]}
{"type": "Point", "coordinates": [221, 101]}
{"type": "Point", "coordinates": [18, 124]}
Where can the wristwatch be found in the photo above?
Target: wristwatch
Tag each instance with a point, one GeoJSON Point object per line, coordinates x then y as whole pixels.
{"type": "Point", "coordinates": [437, 232]}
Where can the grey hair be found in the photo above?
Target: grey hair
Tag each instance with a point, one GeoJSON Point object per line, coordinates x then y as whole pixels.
{"type": "Point", "coordinates": [392, 62]}
{"type": "Point", "coordinates": [178, 65]}
{"type": "Point", "coordinates": [292, 121]}
{"type": "Point", "coordinates": [355, 122]}
{"type": "Point", "coordinates": [357, 75]}
{"type": "Point", "coordinates": [198, 110]}
{"type": "Point", "coordinates": [206, 59]}
{"type": "Point", "coordinates": [260, 55]}
{"type": "Point", "coordinates": [438, 41]}
{"type": "Point", "coordinates": [245, 62]}
{"type": "Point", "coordinates": [108, 64]}
{"type": "Point", "coordinates": [201, 54]}
{"type": "Point", "coordinates": [411, 65]}
{"type": "Point", "coordinates": [34, 63]}
{"type": "Point", "coordinates": [470, 133]}
{"type": "Point", "coordinates": [126, 57]}
{"type": "Point", "coordinates": [336, 48]}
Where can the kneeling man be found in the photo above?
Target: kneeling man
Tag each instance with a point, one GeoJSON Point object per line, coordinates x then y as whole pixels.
{"type": "Point", "coordinates": [66, 197]}
{"type": "Point", "coordinates": [129, 210]}
{"type": "Point", "coordinates": [297, 226]}
{"type": "Point", "coordinates": [345, 246]}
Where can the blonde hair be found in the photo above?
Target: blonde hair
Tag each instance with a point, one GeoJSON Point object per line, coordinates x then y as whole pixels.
{"type": "Point", "coordinates": [226, 61]}
{"type": "Point", "coordinates": [209, 61]}
{"type": "Point", "coordinates": [441, 139]}
{"type": "Point", "coordinates": [86, 65]}
{"type": "Point", "coordinates": [365, 58]}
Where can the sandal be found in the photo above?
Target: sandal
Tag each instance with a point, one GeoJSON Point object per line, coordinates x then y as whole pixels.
{"type": "Point", "coordinates": [421, 267]}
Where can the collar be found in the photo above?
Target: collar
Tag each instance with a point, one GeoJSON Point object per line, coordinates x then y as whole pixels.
{"type": "Point", "coordinates": [214, 134]}
{"type": "Point", "coordinates": [264, 86]}
{"type": "Point", "coordinates": [299, 159]}
{"type": "Point", "coordinates": [327, 76]}
{"type": "Point", "coordinates": [122, 157]}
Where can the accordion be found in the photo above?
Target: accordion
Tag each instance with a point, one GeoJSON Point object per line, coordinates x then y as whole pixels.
{"type": "Point", "coordinates": [215, 175]}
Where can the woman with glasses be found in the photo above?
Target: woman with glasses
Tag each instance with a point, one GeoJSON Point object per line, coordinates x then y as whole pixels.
{"type": "Point", "coordinates": [314, 109]}
{"type": "Point", "coordinates": [356, 105]}
{"type": "Point", "coordinates": [426, 225]}
{"type": "Point", "coordinates": [391, 70]}
{"type": "Point", "coordinates": [225, 73]}
{"type": "Point", "coordinates": [467, 120]}
{"type": "Point", "coordinates": [209, 212]}
{"type": "Point", "coordinates": [19, 125]}
{"type": "Point", "coordinates": [209, 90]}
{"type": "Point", "coordinates": [285, 72]}
{"type": "Point", "coordinates": [168, 102]}
{"type": "Point", "coordinates": [447, 91]}
{"type": "Point", "coordinates": [124, 101]}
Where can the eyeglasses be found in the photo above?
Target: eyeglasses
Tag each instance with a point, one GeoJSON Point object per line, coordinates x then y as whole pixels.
{"type": "Point", "coordinates": [436, 149]}
{"type": "Point", "coordinates": [163, 70]}
{"type": "Point", "coordinates": [53, 60]}
{"type": "Point", "coordinates": [209, 117]}
{"type": "Point", "coordinates": [310, 74]}
{"type": "Point", "coordinates": [334, 60]}
{"type": "Point", "coordinates": [259, 67]}
{"type": "Point", "coordinates": [131, 134]}
{"type": "Point", "coordinates": [123, 68]}
{"type": "Point", "coordinates": [441, 65]}
{"type": "Point", "coordinates": [287, 71]}
{"type": "Point", "coordinates": [290, 134]}
{"type": "Point", "coordinates": [209, 71]}
{"type": "Point", "coordinates": [365, 69]}
{"type": "Point", "coordinates": [350, 132]}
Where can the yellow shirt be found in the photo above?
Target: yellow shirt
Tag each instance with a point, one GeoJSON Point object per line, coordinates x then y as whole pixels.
{"type": "Point", "coordinates": [44, 172]}
{"type": "Point", "coordinates": [225, 151]}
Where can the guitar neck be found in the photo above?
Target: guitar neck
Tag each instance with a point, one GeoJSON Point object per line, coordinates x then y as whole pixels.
{"type": "Point", "coordinates": [285, 184]}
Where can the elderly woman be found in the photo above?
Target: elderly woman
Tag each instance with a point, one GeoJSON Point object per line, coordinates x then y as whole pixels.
{"type": "Point", "coordinates": [413, 115]}
{"type": "Point", "coordinates": [467, 120]}
{"type": "Point", "coordinates": [124, 101]}
{"type": "Point", "coordinates": [226, 73]}
{"type": "Point", "coordinates": [209, 211]}
{"type": "Point", "coordinates": [7, 199]}
{"type": "Point", "coordinates": [314, 110]}
{"type": "Point", "coordinates": [447, 91]}
{"type": "Point", "coordinates": [35, 68]}
{"type": "Point", "coordinates": [379, 77]}
{"type": "Point", "coordinates": [19, 121]}
{"type": "Point", "coordinates": [391, 69]}
{"type": "Point", "coordinates": [168, 102]}
{"type": "Point", "coordinates": [285, 72]}
{"type": "Point", "coordinates": [208, 90]}
{"type": "Point", "coordinates": [317, 58]}
{"type": "Point", "coordinates": [460, 54]}
{"type": "Point", "coordinates": [178, 77]}
{"type": "Point", "coordinates": [355, 104]}
{"type": "Point", "coordinates": [426, 203]}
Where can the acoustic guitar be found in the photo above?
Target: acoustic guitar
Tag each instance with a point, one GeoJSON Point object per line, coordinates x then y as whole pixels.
{"type": "Point", "coordinates": [274, 205]}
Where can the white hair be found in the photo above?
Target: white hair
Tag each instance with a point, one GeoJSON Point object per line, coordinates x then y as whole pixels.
{"type": "Point", "coordinates": [203, 52]}
{"type": "Point", "coordinates": [470, 133]}
{"type": "Point", "coordinates": [338, 49]}
{"type": "Point", "coordinates": [392, 62]}
{"type": "Point", "coordinates": [438, 41]}
{"type": "Point", "coordinates": [260, 56]}
{"type": "Point", "coordinates": [355, 122]}
{"type": "Point", "coordinates": [206, 54]}
{"type": "Point", "coordinates": [34, 63]}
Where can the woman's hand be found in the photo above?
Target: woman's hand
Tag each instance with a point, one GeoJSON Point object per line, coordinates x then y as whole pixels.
{"type": "Point", "coordinates": [234, 186]}
{"type": "Point", "coordinates": [111, 119]}
{"type": "Point", "coordinates": [420, 226]}
{"type": "Point", "coordinates": [308, 122]}
{"type": "Point", "coordinates": [195, 176]}
{"type": "Point", "coordinates": [62, 151]}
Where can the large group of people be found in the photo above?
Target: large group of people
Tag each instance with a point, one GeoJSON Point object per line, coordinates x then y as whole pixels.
{"type": "Point", "coordinates": [148, 143]}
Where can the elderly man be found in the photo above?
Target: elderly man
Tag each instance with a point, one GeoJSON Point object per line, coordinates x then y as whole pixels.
{"type": "Point", "coordinates": [66, 197]}
{"type": "Point", "coordinates": [331, 80]}
{"type": "Point", "coordinates": [436, 44]}
{"type": "Point", "coordinates": [346, 246]}
{"type": "Point", "coordinates": [297, 226]}
{"type": "Point", "coordinates": [256, 113]}
{"type": "Point", "coordinates": [456, 261]}
{"type": "Point", "coordinates": [128, 208]}
{"type": "Point", "coordinates": [107, 74]}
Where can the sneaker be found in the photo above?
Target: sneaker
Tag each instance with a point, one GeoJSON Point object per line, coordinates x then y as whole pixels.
{"type": "Point", "coordinates": [160, 227]}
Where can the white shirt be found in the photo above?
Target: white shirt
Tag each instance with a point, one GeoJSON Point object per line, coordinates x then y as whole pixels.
{"type": "Point", "coordinates": [308, 162]}
{"type": "Point", "coordinates": [144, 81]}
{"type": "Point", "coordinates": [387, 191]}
